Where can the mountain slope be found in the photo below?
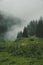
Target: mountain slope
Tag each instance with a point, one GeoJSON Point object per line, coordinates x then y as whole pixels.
{"type": "Point", "coordinates": [22, 52]}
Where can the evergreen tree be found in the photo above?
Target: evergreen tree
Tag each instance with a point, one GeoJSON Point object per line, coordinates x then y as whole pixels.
{"type": "Point", "coordinates": [19, 35]}
{"type": "Point", "coordinates": [39, 30]}
{"type": "Point", "coordinates": [32, 28]}
{"type": "Point", "coordinates": [25, 32]}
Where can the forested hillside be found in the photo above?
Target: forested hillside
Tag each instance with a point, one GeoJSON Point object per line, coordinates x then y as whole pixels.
{"type": "Point", "coordinates": [27, 49]}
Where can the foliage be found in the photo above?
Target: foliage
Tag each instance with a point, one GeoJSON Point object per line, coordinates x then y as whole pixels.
{"type": "Point", "coordinates": [24, 51]}
{"type": "Point", "coordinates": [33, 28]}
{"type": "Point", "coordinates": [39, 30]}
{"type": "Point", "coordinates": [19, 35]}
{"type": "Point", "coordinates": [25, 32]}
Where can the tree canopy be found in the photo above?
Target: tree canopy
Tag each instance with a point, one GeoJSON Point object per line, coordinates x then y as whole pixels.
{"type": "Point", "coordinates": [33, 28]}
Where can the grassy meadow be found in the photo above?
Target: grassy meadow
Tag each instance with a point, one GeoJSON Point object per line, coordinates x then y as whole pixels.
{"type": "Point", "coordinates": [26, 51]}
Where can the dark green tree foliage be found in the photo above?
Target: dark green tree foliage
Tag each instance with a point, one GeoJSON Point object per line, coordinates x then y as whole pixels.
{"type": "Point", "coordinates": [22, 34]}
{"type": "Point", "coordinates": [19, 36]}
{"type": "Point", "coordinates": [32, 28]}
{"type": "Point", "coordinates": [39, 30]}
{"type": "Point", "coordinates": [6, 22]}
{"type": "Point", "coordinates": [3, 27]}
{"type": "Point", "coordinates": [25, 32]}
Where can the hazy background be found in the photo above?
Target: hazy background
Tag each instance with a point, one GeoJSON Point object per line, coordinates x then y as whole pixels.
{"type": "Point", "coordinates": [26, 10]}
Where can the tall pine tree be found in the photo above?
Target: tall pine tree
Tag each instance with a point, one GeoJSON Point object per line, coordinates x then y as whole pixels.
{"type": "Point", "coordinates": [25, 32]}
{"type": "Point", "coordinates": [39, 30]}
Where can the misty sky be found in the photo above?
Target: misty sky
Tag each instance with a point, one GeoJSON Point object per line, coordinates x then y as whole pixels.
{"type": "Point", "coordinates": [24, 9]}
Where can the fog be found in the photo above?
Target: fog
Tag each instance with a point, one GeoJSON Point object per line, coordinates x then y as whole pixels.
{"type": "Point", "coordinates": [26, 10]}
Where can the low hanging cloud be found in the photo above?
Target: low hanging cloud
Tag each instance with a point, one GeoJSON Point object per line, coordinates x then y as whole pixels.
{"type": "Point", "coordinates": [26, 10]}
{"type": "Point", "coordinates": [11, 24]}
{"type": "Point", "coordinates": [11, 34]}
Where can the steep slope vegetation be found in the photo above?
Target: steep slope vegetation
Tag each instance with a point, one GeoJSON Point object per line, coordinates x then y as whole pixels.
{"type": "Point", "coordinates": [22, 52]}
